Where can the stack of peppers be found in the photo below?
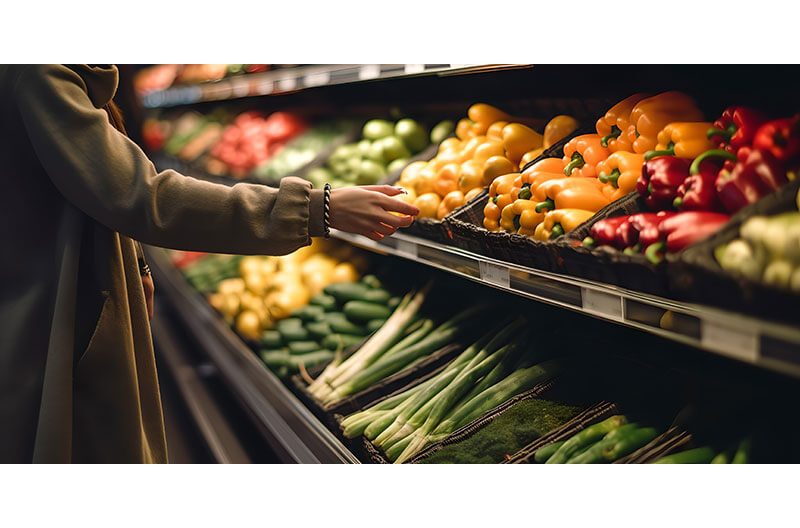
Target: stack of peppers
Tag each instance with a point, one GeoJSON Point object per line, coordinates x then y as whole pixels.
{"type": "Point", "coordinates": [747, 158]}
{"type": "Point", "coordinates": [556, 195]}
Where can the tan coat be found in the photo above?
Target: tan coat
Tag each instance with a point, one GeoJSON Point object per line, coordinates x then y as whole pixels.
{"type": "Point", "coordinates": [77, 375]}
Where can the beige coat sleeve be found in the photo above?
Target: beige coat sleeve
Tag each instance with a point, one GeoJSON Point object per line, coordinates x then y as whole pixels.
{"type": "Point", "coordinates": [108, 177]}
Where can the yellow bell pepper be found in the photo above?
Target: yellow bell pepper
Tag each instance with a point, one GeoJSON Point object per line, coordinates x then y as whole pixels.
{"type": "Point", "coordinates": [464, 129]}
{"type": "Point", "coordinates": [484, 113]}
{"type": "Point", "coordinates": [681, 139]}
{"type": "Point", "coordinates": [507, 217]}
{"type": "Point", "coordinates": [499, 197]}
{"type": "Point", "coordinates": [495, 130]}
{"type": "Point", "coordinates": [530, 156]}
{"type": "Point", "coordinates": [496, 166]}
{"type": "Point", "coordinates": [582, 154]}
{"type": "Point", "coordinates": [525, 216]}
{"type": "Point", "coordinates": [621, 170]}
{"type": "Point", "coordinates": [519, 139]}
{"type": "Point", "coordinates": [651, 115]}
{"type": "Point", "coordinates": [572, 193]}
{"type": "Point", "coordinates": [612, 127]}
{"type": "Point", "coordinates": [557, 129]}
{"type": "Point", "coordinates": [560, 221]}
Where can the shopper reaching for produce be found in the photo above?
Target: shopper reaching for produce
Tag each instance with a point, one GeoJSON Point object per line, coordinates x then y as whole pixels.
{"type": "Point", "coordinates": [77, 371]}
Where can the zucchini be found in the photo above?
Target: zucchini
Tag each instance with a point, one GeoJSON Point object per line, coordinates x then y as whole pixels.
{"type": "Point", "coordinates": [341, 325]}
{"type": "Point", "coordinates": [629, 442]}
{"type": "Point", "coordinates": [274, 358]}
{"type": "Point", "coordinates": [365, 311]}
{"type": "Point", "coordinates": [308, 313]}
{"type": "Point", "coordinates": [543, 453]}
{"type": "Point", "coordinates": [281, 359]}
{"type": "Point", "coordinates": [303, 347]}
{"type": "Point", "coordinates": [700, 455]}
{"type": "Point", "coordinates": [594, 454]}
{"type": "Point", "coordinates": [319, 329]}
{"type": "Point", "coordinates": [327, 302]}
{"type": "Point", "coordinates": [271, 339]}
{"type": "Point", "coordinates": [375, 324]}
{"type": "Point", "coordinates": [291, 333]}
{"type": "Point", "coordinates": [334, 341]}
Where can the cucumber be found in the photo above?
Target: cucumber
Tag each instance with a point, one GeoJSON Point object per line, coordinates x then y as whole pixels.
{"type": "Point", "coordinates": [271, 339]}
{"type": "Point", "coordinates": [346, 291]}
{"type": "Point", "coordinates": [376, 296]}
{"type": "Point", "coordinates": [543, 453]}
{"type": "Point", "coordinates": [375, 324]}
{"type": "Point", "coordinates": [303, 347]}
{"type": "Point", "coordinates": [394, 302]}
{"type": "Point", "coordinates": [334, 341]}
{"type": "Point", "coordinates": [372, 281]}
{"type": "Point", "coordinates": [308, 313]}
{"type": "Point", "coordinates": [281, 359]}
{"type": "Point", "coordinates": [327, 302]}
{"type": "Point", "coordinates": [341, 325]}
{"type": "Point", "coordinates": [365, 311]}
{"type": "Point", "coordinates": [291, 322]}
{"type": "Point", "coordinates": [274, 358]}
{"type": "Point", "coordinates": [319, 329]}
{"type": "Point", "coordinates": [291, 333]}
{"type": "Point", "coordinates": [700, 455]}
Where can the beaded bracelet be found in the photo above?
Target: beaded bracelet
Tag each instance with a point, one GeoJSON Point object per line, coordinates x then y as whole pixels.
{"type": "Point", "coordinates": [326, 201]}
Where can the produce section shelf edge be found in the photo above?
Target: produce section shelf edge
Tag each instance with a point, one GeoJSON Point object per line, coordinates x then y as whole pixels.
{"type": "Point", "coordinates": [769, 345]}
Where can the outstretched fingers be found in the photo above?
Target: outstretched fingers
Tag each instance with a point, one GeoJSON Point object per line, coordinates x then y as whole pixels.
{"type": "Point", "coordinates": [385, 189]}
{"type": "Point", "coordinates": [398, 206]}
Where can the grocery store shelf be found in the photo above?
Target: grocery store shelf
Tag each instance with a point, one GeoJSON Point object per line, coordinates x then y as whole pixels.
{"type": "Point", "coordinates": [294, 79]}
{"type": "Point", "coordinates": [292, 431]}
{"type": "Point", "coordinates": [766, 344]}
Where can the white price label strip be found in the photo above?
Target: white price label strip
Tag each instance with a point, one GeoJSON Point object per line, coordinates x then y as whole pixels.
{"type": "Point", "coordinates": [495, 274]}
{"type": "Point", "coordinates": [414, 68]}
{"type": "Point", "coordinates": [407, 249]}
{"type": "Point", "coordinates": [736, 342]}
{"type": "Point", "coordinates": [317, 79]}
{"type": "Point", "coordinates": [369, 71]}
{"type": "Point", "coordinates": [602, 303]}
{"type": "Point", "coordinates": [287, 84]}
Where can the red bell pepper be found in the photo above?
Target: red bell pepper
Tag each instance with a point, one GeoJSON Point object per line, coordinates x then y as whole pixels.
{"type": "Point", "coordinates": [683, 230]}
{"type": "Point", "coordinates": [781, 138]}
{"type": "Point", "coordinates": [660, 180]}
{"type": "Point", "coordinates": [603, 231]}
{"type": "Point", "coordinates": [697, 192]}
{"type": "Point", "coordinates": [736, 128]}
{"type": "Point", "coordinates": [752, 178]}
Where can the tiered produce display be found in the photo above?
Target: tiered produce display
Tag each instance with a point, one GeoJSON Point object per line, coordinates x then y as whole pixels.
{"type": "Point", "coordinates": [417, 371]}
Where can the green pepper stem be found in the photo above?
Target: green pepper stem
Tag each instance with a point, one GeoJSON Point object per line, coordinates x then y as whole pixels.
{"type": "Point", "coordinates": [516, 222]}
{"type": "Point", "coordinates": [615, 132]}
{"type": "Point", "coordinates": [669, 151]}
{"type": "Point", "coordinates": [525, 191]}
{"type": "Point", "coordinates": [588, 242]}
{"type": "Point", "coordinates": [650, 188]}
{"type": "Point", "coordinates": [494, 200]}
{"type": "Point", "coordinates": [557, 231]}
{"type": "Point", "coordinates": [716, 153]}
{"type": "Point", "coordinates": [576, 163]}
{"type": "Point", "coordinates": [612, 178]}
{"type": "Point", "coordinates": [654, 252]}
{"type": "Point", "coordinates": [726, 134]}
{"type": "Point", "coordinates": [677, 202]}
{"type": "Point", "coordinates": [547, 204]}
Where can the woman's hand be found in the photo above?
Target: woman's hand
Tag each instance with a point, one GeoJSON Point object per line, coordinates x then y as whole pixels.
{"type": "Point", "coordinates": [367, 210]}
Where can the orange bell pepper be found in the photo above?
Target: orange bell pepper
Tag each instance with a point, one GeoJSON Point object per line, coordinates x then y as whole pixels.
{"type": "Point", "coordinates": [560, 221]}
{"type": "Point", "coordinates": [557, 129]}
{"type": "Point", "coordinates": [572, 193]}
{"type": "Point", "coordinates": [621, 170]}
{"type": "Point", "coordinates": [582, 154]}
{"type": "Point", "coordinates": [507, 219]}
{"type": "Point", "coordinates": [651, 115]}
{"type": "Point", "coordinates": [613, 126]}
{"type": "Point", "coordinates": [500, 196]}
{"type": "Point", "coordinates": [525, 217]}
{"type": "Point", "coordinates": [681, 139]}
{"type": "Point", "coordinates": [544, 170]}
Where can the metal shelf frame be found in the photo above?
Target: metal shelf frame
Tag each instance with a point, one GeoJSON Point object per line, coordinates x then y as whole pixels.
{"type": "Point", "coordinates": [290, 80]}
{"type": "Point", "coordinates": [770, 345]}
{"type": "Point", "coordinates": [292, 431]}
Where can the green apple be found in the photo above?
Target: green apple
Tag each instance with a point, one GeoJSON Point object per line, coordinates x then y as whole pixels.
{"type": "Point", "coordinates": [440, 132]}
{"type": "Point", "coordinates": [338, 165]}
{"type": "Point", "coordinates": [345, 151]}
{"type": "Point", "coordinates": [412, 133]}
{"type": "Point", "coordinates": [377, 129]}
{"type": "Point", "coordinates": [318, 176]}
{"type": "Point", "coordinates": [363, 147]}
{"type": "Point", "coordinates": [375, 151]}
{"type": "Point", "coordinates": [394, 148]}
{"type": "Point", "coordinates": [397, 165]}
{"type": "Point", "coordinates": [371, 172]}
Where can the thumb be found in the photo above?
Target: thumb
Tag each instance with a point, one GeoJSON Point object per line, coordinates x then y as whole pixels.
{"type": "Point", "coordinates": [385, 189]}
